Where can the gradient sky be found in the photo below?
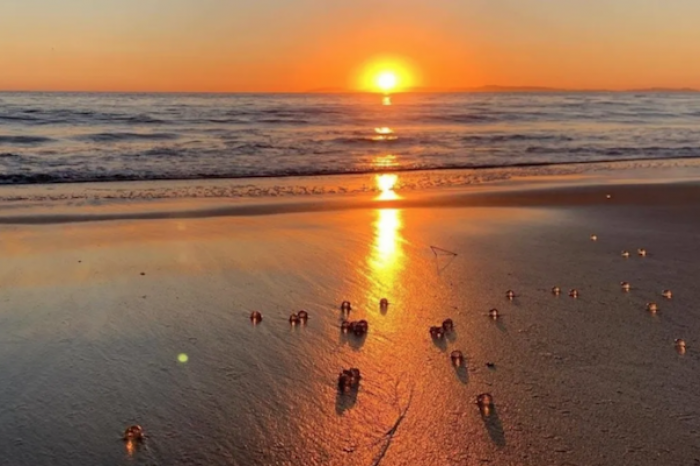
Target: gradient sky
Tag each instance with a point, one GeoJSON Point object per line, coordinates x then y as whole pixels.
{"type": "Point", "coordinates": [298, 45]}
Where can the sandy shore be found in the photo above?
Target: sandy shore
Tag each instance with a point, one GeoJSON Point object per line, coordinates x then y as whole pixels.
{"type": "Point", "coordinates": [97, 302]}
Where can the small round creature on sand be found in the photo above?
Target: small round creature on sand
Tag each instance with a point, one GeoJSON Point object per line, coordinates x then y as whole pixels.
{"type": "Point", "coordinates": [437, 332]}
{"type": "Point", "coordinates": [485, 403]}
{"type": "Point", "coordinates": [134, 434]}
{"type": "Point", "coordinates": [349, 379]}
{"type": "Point", "coordinates": [448, 325]}
{"type": "Point", "coordinates": [680, 345]}
{"type": "Point", "coordinates": [358, 328]}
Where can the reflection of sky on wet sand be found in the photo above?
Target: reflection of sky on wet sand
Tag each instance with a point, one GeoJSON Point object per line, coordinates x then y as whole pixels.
{"type": "Point", "coordinates": [386, 258]}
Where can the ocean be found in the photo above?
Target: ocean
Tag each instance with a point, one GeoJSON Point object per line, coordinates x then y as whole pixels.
{"type": "Point", "coordinates": [83, 137]}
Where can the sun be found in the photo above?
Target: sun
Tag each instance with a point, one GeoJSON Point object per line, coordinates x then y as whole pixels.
{"type": "Point", "coordinates": [387, 81]}
{"type": "Point", "coordinates": [388, 75]}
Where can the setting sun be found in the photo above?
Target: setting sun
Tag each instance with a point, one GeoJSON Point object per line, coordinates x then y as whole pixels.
{"type": "Point", "coordinates": [387, 75]}
{"type": "Point", "coordinates": [387, 81]}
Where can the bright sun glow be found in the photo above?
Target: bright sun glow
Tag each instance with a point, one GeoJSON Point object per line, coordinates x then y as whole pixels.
{"type": "Point", "coordinates": [387, 81]}
{"type": "Point", "coordinates": [387, 75]}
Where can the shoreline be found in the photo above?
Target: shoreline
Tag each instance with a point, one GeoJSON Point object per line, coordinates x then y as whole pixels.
{"type": "Point", "coordinates": [353, 185]}
{"type": "Point", "coordinates": [562, 166]}
{"type": "Point", "coordinates": [619, 194]}
{"type": "Point", "coordinates": [368, 172]}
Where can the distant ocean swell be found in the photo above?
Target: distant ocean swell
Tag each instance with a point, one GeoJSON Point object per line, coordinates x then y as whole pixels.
{"type": "Point", "coordinates": [61, 138]}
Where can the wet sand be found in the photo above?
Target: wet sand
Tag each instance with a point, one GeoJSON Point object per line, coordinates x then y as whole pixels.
{"type": "Point", "coordinates": [94, 314]}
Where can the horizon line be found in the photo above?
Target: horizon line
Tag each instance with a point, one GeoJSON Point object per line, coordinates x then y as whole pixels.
{"type": "Point", "coordinates": [491, 88]}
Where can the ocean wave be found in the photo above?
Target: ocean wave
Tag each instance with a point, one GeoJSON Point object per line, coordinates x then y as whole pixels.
{"type": "Point", "coordinates": [616, 151]}
{"type": "Point", "coordinates": [283, 121]}
{"type": "Point", "coordinates": [116, 137]}
{"type": "Point", "coordinates": [373, 139]}
{"type": "Point", "coordinates": [489, 138]}
{"type": "Point", "coordinates": [24, 139]}
{"type": "Point", "coordinates": [462, 118]}
{"type": "Point", "coordinates": [135, 119]}
{"type": "Point", "coordinates": [18, 118]}
{"type": "Point", "coordinates": [82, 176]}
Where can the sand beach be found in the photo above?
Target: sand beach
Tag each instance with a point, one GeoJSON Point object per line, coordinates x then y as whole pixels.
{"type": "Point", "coordinates": [100, 301]}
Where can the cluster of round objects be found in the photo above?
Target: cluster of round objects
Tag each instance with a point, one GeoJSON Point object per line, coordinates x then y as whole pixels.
{"type": "Point", "coordinates": [358, 328]}
{"type": "Point", "coordinates": [349, 379]}
{"type": "Point", "coordinates": [556, 291]}
{"type": "Point", "coordinates": [652, 307]}
{"type": "Point", "coordinates": [299, 318]}
{"type": "Point", "coordinates": [438, 331]}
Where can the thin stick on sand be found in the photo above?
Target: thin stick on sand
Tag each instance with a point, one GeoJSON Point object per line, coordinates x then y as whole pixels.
{"type": "Point", "coordinates": [389, 435]}
{"type": "Point", "coordinates": [442, 252]}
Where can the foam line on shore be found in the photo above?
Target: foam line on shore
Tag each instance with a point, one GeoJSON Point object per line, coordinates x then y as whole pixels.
{"type": "Point", "coordinates": [664, 194]}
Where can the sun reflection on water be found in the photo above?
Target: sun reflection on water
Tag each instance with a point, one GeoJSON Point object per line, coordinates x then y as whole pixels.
{"type": "Point", "coordinates": [386, 183]}
{"type": "Point", "coordinates": [385, 161]}
{"type": "Point", "coordinates": [384, 134]}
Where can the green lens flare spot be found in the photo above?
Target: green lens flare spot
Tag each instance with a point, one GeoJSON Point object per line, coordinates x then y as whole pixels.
{"type": "Point", "coordinates": [183, 358]}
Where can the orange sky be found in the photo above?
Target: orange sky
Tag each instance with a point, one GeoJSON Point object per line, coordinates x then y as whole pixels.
{"type": "Point", "coordinates": [298, 45]}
